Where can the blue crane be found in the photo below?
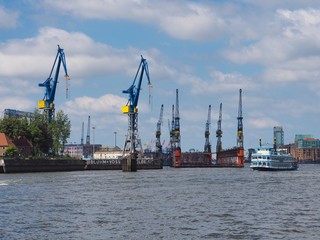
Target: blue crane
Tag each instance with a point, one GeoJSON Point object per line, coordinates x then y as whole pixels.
{"type": "Point", "coordinates": [133, 90]}
{"type": "Point", "coordinates": [51, 84]}
{"type": "Point", "coordinates": [132, 142]}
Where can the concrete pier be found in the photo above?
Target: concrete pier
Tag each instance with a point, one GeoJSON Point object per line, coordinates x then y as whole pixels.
{"type": "Point", "coordinates": [129, 163]}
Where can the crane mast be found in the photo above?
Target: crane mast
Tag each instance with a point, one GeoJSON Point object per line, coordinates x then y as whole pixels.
{"type": "Point", "coordinates": [176, 137]}
{"type": "Point", "coordinates": [219, 131]}
{"type": "Point", "coordinates": [88, 132]}
{"type": "Point", "coordinates": [82, 133]}
{"type": "Point", "coordinates": [158, 132]}
{"type": "Point", "coordinates": [240, 132]}
{"type": "Point", "coordinates": [132, 143]}
{"type": "Point", "coordinates": [207, 145]}
{"type": "Point", "coordinates": [240, 125]}
{"type": "Point", "coordinates": [176, 131]}
{"type": "Point", "coordinates": [47, 103]}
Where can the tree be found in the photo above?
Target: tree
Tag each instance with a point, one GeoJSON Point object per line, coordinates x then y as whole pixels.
{"type": "Point", "coordinates": [14, 127]}
{"type": "Point", "coordinates": [60, 128]}
{"type": "Point", "coordinates": [11, 151]}
{"type": "Point", "coordinates": [41, 137]}
{"type": "Point", "coordinates": [46, 138]}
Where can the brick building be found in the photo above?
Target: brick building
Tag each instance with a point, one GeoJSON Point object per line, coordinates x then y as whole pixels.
{"type": "Point", "coordinates": [306, 148]}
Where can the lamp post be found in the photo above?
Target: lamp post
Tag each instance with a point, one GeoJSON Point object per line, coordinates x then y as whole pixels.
{"type": "Point", "coordinates": [93, 128]}
{"type": "Point", "coordinates": [115, 139]}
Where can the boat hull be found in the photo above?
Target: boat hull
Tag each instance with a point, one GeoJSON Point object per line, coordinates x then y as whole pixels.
{"type": "Point", "coordinates": [274, 166]}
{"type": "Point", "coordinates": [274, 169]}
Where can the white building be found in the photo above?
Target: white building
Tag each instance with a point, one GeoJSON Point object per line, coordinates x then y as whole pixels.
{"type": "Point", "coordinates": [108, 153]}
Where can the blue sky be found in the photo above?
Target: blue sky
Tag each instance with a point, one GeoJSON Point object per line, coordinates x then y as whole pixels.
{"type": "Point", "coordinates": [206, 49]}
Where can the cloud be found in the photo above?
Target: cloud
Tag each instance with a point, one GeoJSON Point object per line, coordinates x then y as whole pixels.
{"type": "Point", "coordinates": [199, 23]}
{"type": "Point", "coordinates": [218, 82]}
{"type": "Point", "coordinates": [261, 123]}
{"type": "Point", "coordinates": [179, 19]}
{"type": "Point", "coordinates": [12, 102]}
{"type": "Point", "coordinates": [9, 19]}
{"type": "Point", "coordinates": [81, 52]}
{"type": "Point", "coordinates": [108, 103]}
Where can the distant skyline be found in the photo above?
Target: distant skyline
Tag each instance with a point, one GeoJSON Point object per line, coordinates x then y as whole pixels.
{"type": "Point", "coordinates": [206, 49]}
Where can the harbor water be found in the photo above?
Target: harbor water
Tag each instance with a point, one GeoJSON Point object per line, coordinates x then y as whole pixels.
{"type": "Point", "coordinates": [191, 203]}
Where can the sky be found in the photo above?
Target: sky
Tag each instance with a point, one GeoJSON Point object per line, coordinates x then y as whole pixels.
{"type": "Point", "coordinates": [208, 50]}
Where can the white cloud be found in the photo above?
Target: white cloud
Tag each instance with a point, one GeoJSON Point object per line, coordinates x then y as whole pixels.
{"type": "Point", "coordinates": [17, 102]}
{"type": "Point", "coordinates": [179, 19]}
{"type": "Point", "coordinates": [199, 23]}
{"type": "Point", "coordinates": [8, 18]}
{"type": "Point", "coordinates": [217, 83]}
{"type": "Point", "coordinates": [108, 104]}
{"type": "Point", "coordinates": [261, 123]}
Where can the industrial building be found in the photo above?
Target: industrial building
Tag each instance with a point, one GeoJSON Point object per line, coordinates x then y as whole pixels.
{"type": "Point", "coordinates": [81, 150]}
{"type": "Point", "coordinates": [306, 148]}
{"type": "Point", "coordinates": [106, 152]}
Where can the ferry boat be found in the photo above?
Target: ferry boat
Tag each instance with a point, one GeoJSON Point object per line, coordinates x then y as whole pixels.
{"type": "Point", "coordinates": [268, 158]}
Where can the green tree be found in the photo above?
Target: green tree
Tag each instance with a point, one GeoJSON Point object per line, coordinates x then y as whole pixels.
{"type": "Point", "coordinates": [14, 127]}
{"type": "Point", "coordinates": [46, 138]}
{"type": "Point", "coordinates": [41, 137]}
{"type": "Point", "coordinates": [11, 151]}
{"type": "Point", "coordinates": [60, 128]}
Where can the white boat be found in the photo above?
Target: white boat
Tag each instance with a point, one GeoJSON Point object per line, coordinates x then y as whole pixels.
{"type": "Point", "coordinates": [268, 158]}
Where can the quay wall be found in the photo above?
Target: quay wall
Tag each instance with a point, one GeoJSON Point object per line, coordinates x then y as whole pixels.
{"type": "Point", "coordinates": [46, 165]}
{"type": "Point", "coordinates": [41, 165]}
{"type": "Point", "coordinates": [116, 164]}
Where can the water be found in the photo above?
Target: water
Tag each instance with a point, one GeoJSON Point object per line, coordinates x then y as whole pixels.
{"type": "Point", "coordinates": [161, 204]}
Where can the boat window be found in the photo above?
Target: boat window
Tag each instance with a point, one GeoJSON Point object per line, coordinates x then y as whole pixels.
{"type": "Point", "coordinates": [268, 158]}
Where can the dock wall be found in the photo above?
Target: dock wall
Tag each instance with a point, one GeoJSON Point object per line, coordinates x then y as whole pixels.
{"type": "Point", "coordinates": [41, 165]}
{"type": "Point", "coordinates": [116, 164]}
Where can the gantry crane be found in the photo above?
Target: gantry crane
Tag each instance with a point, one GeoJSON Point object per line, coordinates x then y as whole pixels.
{"type": "Point", "coordinates": [172, 129]}
{"type": "Point", "coordinates": [158, 132]}
{"type": "Point", "coordinates": [132, 142]}
{"type": "Point", "coordinates": [169, 126]}
{"type": "Point", "coordinates": [219, 131]}
{"type": "Point", "coordinates": [207, 144]}
{"type": "Point", "coordinates": [82, 133]}
{"type": "Point", "coordinates": [176, 137]}
{"type": "Point", "coordinates": [240, 125]}
{"type": "Point", "coordinates": [51, 84]}
{"type": "Point", "coordinates": [88, 132]}
{"type": "Point", "coordinates": [240, 132]}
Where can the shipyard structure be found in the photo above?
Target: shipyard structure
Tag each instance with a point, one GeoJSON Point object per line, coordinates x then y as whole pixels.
{"type": "Point", "coordinates": [233, 157]}
{"type": "Point", "coordinates": [132, 156]}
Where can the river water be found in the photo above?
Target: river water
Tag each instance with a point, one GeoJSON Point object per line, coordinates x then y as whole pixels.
{"type": "Point", "coordinates": [198, 203]}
